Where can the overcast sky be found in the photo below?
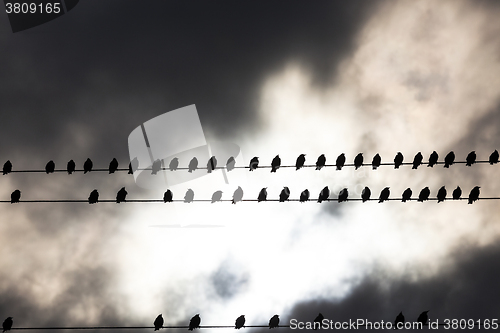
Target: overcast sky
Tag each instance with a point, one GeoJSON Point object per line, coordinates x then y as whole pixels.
{"type": "Point", "coordinates": [273, 77]}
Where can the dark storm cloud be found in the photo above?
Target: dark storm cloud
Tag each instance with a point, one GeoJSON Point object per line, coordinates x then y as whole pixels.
{"type": "Point", "coordinates": [227, 282]}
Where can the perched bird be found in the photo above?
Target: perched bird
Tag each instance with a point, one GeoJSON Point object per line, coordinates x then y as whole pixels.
{"type": "Point", "coordinates": [343, 194]}
{"type": "Point", "coordinates": [304, 196]}
{"type": "Point", "coordinates": [262, 195]}
{"type": "Point", "coordinates": [285, 194]}
{"type": "Point", "coordinates": [121, 195]}
{"type": "Point", "coordinates": [366, 194]}
{"type": "Point", "coordinates": [317, 321]}
{"type": "Point", "coordinates": [230, 163]}
{"type": "Point", "coordinates": [423, 318]}
{"type": "Point", "coordinates": [216, 196]}
{"type": "Point", "coordinates": [50, 167]}
{"type": "Point", "coordinates": [174, 164]}
{"type": "Point", "coordinates": [417, 160]}
{"type": "Point", "coordinates": [276, 163]}
{"type": "Point", "coordinates": [274, 321]}
{"type": "Point", "coordinates": [113, 165]}
{"type": "Point", "coordinates": [441, 194]}
{"type": "Point", "coordinates": [471, 158]}
{"type": "Point", "coordinates": [300, 161]}
{"type": "Point", "coordinates": [339, 163]}
{"type": "Point", "coordinates": [189, 196]}
{"type": "Point", "coordinates": [433, 159]}
{"type": "Point", "coordinates": [324, 194]}
{"type": "Point", "coordinates": [384, 195]}
{"type": "Point", "coordinates": [449, 159]}
{"type": "Point", "coordinates": [254, 163]}
{"type": "Point", "coordinates": [376, 161]}
{"type": "Point", "coordinates": [321, 161]}
{"type": "Point", "coordinates": [133, 166]}
{"type": "Point", "coordinates": [70, 167]}
{"type": "Point", "coordinates": [193, 164]}
{"type": "Point", "coordinates": [93, 197]}
{"type": "Point", "coordinates": [155, 167]}
{"type": "Point", "coordinates": [15, 196]}
{"type": "Point", "coordinates": [237, 195]}
{"type": "Point", "coordinates": [7, 324]}
{"type": "Point", "coordinates": [240, 322]}
{"type": "Point", "coordinates": [457, 193]}
{"type": "Point", "coordinates": [424, 194]}
{"type": "Point", "coordinates": [158, 322]}
{"type": "Point", "coordinates": [407, 195]}
{"type": "Point", "coordinates": [211, 164]}
{"type": "Point", "coordinates": [194, 322]}
{"type": "Point", "coordinates": [399, 319]}
{"type": "Point", "coordinates": [7, 167]}
{"type": "Point", "coordinates": [474, 194]}
{"type": "Point", "coordinates": [87, 166]}
{"type": "Point", "coordinates": [494, 157]}
{"type": "Point", "coordinates": [398, 160]}
{"type": "Point", "coordinates": [168, 196]}
{"type": "Point", "coordinates": [358, 161]}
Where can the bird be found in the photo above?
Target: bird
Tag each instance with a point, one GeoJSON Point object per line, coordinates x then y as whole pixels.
{"type": "Point", "coordinates": [276, 163]}
{"type": "Point", "coordinates": [7, 167]}
{"type": "Point", "coordinates": [193, 164]}
{"type": "Point", "coordinates": [366, 194]}
{"type": "Point", "coordinates": [50, 167]}
{"type": "Point", "coordinates": [230, 163]}
{"type": "Point", "coordinates": [285, 194]}
{"type": "Point", "coordinates": [113, 165]}
{"type": "Point", "coordinates": [15, 196]}
{"type": "Point", "coordinates": [194, 322]}
{"type": "Point", "coordinates": [433, 159]}
{"type": "Point", "coordinates": [240, 322]}
{"type": "Point", "coordinates": [174, 164]}
{"type": "Point", "coordinates": [156, 167]}
{"type": "Point", "coordinates": [216, 196]}
{"type": "Point", "coordinates": [320, 162]}
{"type": "Point", "coordinates": [343, 194]}
{"type": "Point", "coordinates": [70, 167]}
{"type": "Point", "coordinates": [474, 194]}
{"type": "Point", "coordinates": [189, 196]}
{"type": "Point", "coordinates": [471, 158]}
{"type": "Point", "coordinates": [399, 319]}
{"type": "Point", "coordinates": [211, 164]}
{"type": "Point", "coordinates": [494, 157]}
{"type": "Point", "coordinates": [407, 195]}
{"type": "Point", "coordinates": [457, 193]}
{"type": "Point", "coordinates": [358, 161]}
{"type": "Point", "coordinates": [317, 321]}
{"type": "Point", "coordinates": [376, 161]}
{"type": "Point", "coordinates": [133, 166]}
{"type": "Point", "coordinates": [339, 163]}
{"type": "Point", "coordinates": [158, 322]}
{"type": "Point", "coordinates": [449, 159]}
{"type": "Point", "coordinates": [417, 160]}
{"type": "Point", "coordinates": [398, 160]}
{"type": "Point", "coordinates": [300, 161]}
{"type": "Point", "coordinates": [274, 321]}
{"type": "Point", "coordinates": [93, 197]}
{"type": "Point", "coordinates": [168, 196]}
{"type": "Point", "coordinates": [87, 166]}
{"type": "Point", "coordinates": [254, 163]}
{"type": "Point", "coordinates": [324, 194]}
{"type": "Point", "coordinates": [237, 195]}
{"type": "Point", "coordinates": [384, 195]}
{"type": "Point", "coordinates": [121, 195]}
{"type": "Point", "coordinates": [262, 195]}
{"type": "Point", "coordinates": [441, 196]}
{"type": "Point", "coordinates": [304, 195]}
{"type": "Point", "coordinates": [423, 318]}
{"type": "Point", "coordinates": [424, 194]}
{"type": "Point", "coordinates": [7, 324]}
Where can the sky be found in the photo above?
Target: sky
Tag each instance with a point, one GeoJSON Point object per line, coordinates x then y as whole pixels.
{"type": "Point", "coordinates": [272, 77]}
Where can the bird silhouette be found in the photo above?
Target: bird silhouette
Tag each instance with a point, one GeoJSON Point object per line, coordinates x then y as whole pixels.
{"type": "Point", "coordinates": [424, 194]}
{"type": "Point", "coordinates": [254, 163]}
{"type": "Point", "coordinates": [423, 318]}
{"type": "Point", "coordinates": [399, 319]}
{"type": "Point", "coordinates": [193, 164]}
{"type": "Point", "coordinates": [304, 195]}
{"type": "Point", "coordinates": [262, 195]}
{"type": "Point", "coordinates": [7, 167]}
{"type": "Point", "coordinates": [320, 162]}
{"type": "Point", "coordinates": [376, 161]}
{"type": "Point", "coordinates": [449, 159]}
{"type": "Point", "coordinates": [174, 164]}
{"type": "Point", "coordinates": [433, 159]}
{"type": "Point", "coordinates": [93, 197]}
{"type": "Point", "coordinates": [15, 196]}
{"type": "Point", "coordinates": [240, 322]}
{"type": "Point", "coordinates": [194, 322]}
{"type": "Point", "coordinates": [155, 167]}
{"type": "Point", "coordinates": [285, 194]}
{"type": "Point", "coordinates": [276, 163]}
{"type": "Point", "coordinates": [339, 163]}
{"type": "Point", "coordinates": [189, 196]}
{"type": "Point", "coordinates": [317, 321]}
{"type": "Point", "coordinates": [366, 194]}
{"type": "Point", "coordinates": [343, 194]}
{"type": "Point", "coordinates": [133, 166]}
{"type": "Point", "coordinates": [494, 157]}
{"type": "Point", "coordinates": [7, 324]}
{"type": "Point", "coordinates": [216, 196]}
{"type": "Point", "coordinates": [358, 161]}
{"type": "Point", "coordinates": [384, 195]}
{"type": "Point", "coordinates": [158, 322]}
{"type": "Point", "coordinates": [211, 164]}
{"type": "Point", "coordinates": [237, 195]}
{"type": "Point", "coordinates": [417, 160]}
{"type": "Point", "coordinates": [474, 194]}
{"type": "Point", "coordinates": [407, 195]}
{"type": "Point", "coordinates": [121, 195]}
{"type": "Point", "coordinates": [471, 158]}
{"type": "Point", "coordinates": [113, 165]}
{"type": "Point", "coordinates": [441, 196]}
{"type": "Point", "coordinates": [50, 167]}
{"type": "Point", "coordinates": [168, 196]}
{"type": "Point", "coordinates": [398, 160]}
{"type": "Point", "coordinates": [300, 161]}
{"type": "Point", "coordinates": [274, 321]}
{"type": "Point", "coordinates": [324, 194]}
{"type": "Point", "coordinates": [70, 167]}
{"type": "Point", "coordinates": [457, 193]}
{"type": "Point", "coordinates": [230, 163]}
{"type": "Point", "coordinates": [87, 166]}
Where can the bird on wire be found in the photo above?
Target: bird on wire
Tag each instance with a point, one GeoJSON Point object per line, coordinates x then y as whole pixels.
{"type": "Point", "coordinates": [276, 163]}
{"type": "Point", "coordinates": [474, 194]}
{"type": "Point", "coordinates": [231, 162]}
{"type": "Point", "coordinates": [300, 161]}
{"type": "Point", "coordinates": [113, 165]}
{"type": "Point", "coordinates": [121, 195]}
{"type": "Point", "coordinates": [70, 167]}
{"type": "Point", "coordinates": [339, 163]}
{"type": "Point", "coordinates": [304, 195]}
{"type": "Point", "coordinates": [424, 194]}
{"type": "Point", "coordinates": [7, 167]}
{"type": "Point", "coordinates": [274, 321]}
{"type": "Point", "coordinates": [449, 159]}
{"type": "Point", "coordinates": [50, 167]}
{"type": "Point", "coordinates": [398, 160]}
{"type": "Point", "coordinates": [471, 158]}
{"type": "Point", "coordinates": [457, 193]}
{"type": "Point", "coordinates": [240, 322]}
{"type": "Point", "coordinates": [93, 197]}
{"type": "Point", "coordinates": [365, 194]}
{"type": "Point", "coordinates": [158, 322]}
{"type": "Point", "coordinates": [15, 196]}
{"type": "Point", "coordinates": [174, 164]}
{"type": "Point", "coordinates": [423, 318]}
{"type": "Point", "coordinates": [433, 159]}
{"type": "Point", "coordinates": [400, 318]}
{"type": "Point", "coordinates": [133, 166]}
{"type": "Point", "coordinates": [254, 163]}
{"type": "Point", "coordinates": [217, 196]}
{"type": "Point", "coordinates": [343, 194]}
{"type": "Point", "coordinates": [317, 321]}
{"type": "Point", "coordinates": [237, 195]}
{"type": "Point", "coordinates": [320, 162]}
{"type": "Point", "coordinates": [324, 194]}
{"type": "Point", "coordinates": [193, 164]}
{"type": "Point", "coordinates": [7, 324]}
{"type": "Point", "coordinates": [285, 194]}
{"type": "Point", "coordinates": [189, 196]}
{"type": "Point", "coordinates": [358, 161]}
{"type": "Point", "coordinates": [156, 167]}
{"type": "Point", "coordinates": [376, 161]}
{"type": "Point", "coordinates": [87, 166]}
{"type": "Point", "coordinates": [406, 195]}
{"type": "Point", "coordinates": [262, 195]}
{"type": "Point", "coordinates": [493, 157]}
{"type": "Point", "coordinates": [417, 160]}
{"type": "Point", "coordinates": [441, 196]}
{"type": "Point", "coordinates": [194, 322]}
{"type": "Point", "coordinates": [168, 196]}
{"type": "Point", "coordinates": [384, 195]}
{"type": "Point", "coordinates": [211, 164]}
